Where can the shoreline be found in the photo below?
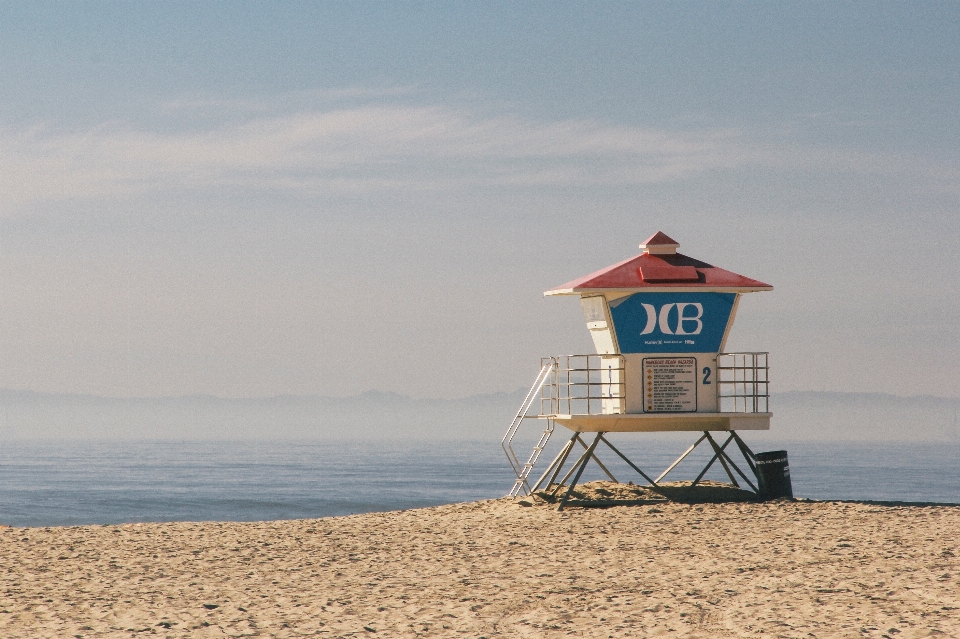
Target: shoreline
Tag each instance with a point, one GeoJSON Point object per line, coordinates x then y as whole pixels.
{"type": "Point", "coordinates": [498, 568]}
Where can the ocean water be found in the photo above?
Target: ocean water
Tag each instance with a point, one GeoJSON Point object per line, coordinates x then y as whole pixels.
{"type": "Point", "coordinates": [56, 484]}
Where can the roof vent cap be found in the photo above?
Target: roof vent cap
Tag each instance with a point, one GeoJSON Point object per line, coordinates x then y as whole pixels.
{"type": "Point", "coordinates": [660, 244]}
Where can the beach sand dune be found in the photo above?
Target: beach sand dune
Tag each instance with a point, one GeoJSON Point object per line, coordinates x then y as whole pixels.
{"type": "Point", "coordinates": [499, 568]}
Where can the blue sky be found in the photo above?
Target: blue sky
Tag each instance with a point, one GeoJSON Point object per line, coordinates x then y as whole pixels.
{"type": "Point", "coordinates": [247, 199]}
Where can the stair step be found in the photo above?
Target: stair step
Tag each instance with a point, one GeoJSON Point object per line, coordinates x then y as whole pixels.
{"type": "Point", "coordinates": [522, 471]}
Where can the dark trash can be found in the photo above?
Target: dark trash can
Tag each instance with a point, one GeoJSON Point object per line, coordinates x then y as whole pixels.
{"type": "Point", "coordinates": [773, 474]}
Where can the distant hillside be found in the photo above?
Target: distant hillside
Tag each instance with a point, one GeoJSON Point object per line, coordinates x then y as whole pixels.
{"type": "Point", "coordinates": [865, 416]}
{"type": "Point", "coordinates": [374, 414]}
{"type": "Point", "coordinates": [797, 416]}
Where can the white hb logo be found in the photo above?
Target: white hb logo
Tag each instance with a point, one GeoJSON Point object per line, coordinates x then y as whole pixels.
{"type": "Point", "coordinates": [654, 319]}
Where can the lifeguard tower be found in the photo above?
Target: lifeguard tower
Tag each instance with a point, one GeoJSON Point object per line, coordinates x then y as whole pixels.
{"type": "Point", "coordinates": [659, 322]}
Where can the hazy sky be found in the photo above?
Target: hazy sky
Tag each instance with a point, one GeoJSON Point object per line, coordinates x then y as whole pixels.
{"type": "Point", "coordinates": [247, 199]}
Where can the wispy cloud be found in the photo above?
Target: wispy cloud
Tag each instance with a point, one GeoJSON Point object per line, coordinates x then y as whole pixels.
{"type": "Point", "coordinates": [244, 106]}
{"type": "Point", "coordinates": [370, 147]}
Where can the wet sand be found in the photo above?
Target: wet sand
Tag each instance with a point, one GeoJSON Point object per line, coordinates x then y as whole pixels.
{"type": "Point", "coordinates": [499, 568]}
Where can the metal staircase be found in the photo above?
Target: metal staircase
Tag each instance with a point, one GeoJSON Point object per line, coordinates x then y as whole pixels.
{"type": "Point", "coordinates": [522, 471]}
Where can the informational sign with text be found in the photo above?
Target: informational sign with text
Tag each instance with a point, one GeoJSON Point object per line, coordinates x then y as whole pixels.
{"type": "Point", "coordinates": [669, 385]}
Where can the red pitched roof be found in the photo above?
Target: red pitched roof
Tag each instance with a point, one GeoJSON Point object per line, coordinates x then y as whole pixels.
{"type": "Point", "coordinates": [659, 238]}
{"type": "Point", "coordinates": [661, 271]}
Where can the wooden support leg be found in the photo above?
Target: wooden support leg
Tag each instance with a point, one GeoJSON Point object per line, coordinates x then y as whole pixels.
{"type": "Point", "coordinates": [580, 460]}
{"type": "Point", "coordinates": [600, 464]}
{"type": "Point", "coordinates": [709, 464]}
{"type": "Point", "coordinates": [624, 458]}
{"type": "Point", "coordinates": [680, 459]}
{"type": "Point", "coordinates": [733, 465]}
{"type": "Point", "coordinates": [722, 457]}
{"type": "Point", "coordinates": [746, 452]}
{"type": "Point", "coordinates": [586, 459]}
{"type": "Point", "coordinates": [556, 464]}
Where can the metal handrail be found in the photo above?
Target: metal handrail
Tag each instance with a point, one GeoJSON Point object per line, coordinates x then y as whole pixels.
{"type": "Point", "coordinates": [583, 384]}
{"type": "Point", "coordinates": [507, 442]}
{"type": "Point", "coordinates": [595, 384]}
{"type": "Point", "coordinates": [743, 382]}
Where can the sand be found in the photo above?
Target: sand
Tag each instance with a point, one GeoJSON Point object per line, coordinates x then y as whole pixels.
{"type": "Point", "coordinates": [498, 569]}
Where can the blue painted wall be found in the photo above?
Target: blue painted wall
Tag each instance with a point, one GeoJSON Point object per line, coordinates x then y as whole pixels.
{"type": "Point", "coordinates": [671, 322]}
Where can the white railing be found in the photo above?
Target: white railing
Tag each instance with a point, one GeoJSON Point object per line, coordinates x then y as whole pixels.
{"type": "Point", "coordinates": [583, 385]}
{"type": "Point", "coordinates": [595, 384]}
{"type": "Point", "coordinates": [743, 382]}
